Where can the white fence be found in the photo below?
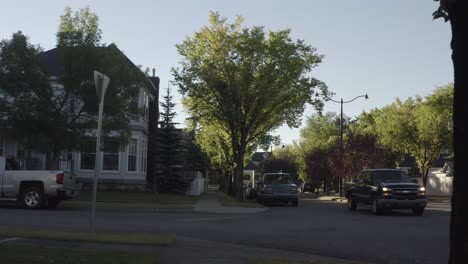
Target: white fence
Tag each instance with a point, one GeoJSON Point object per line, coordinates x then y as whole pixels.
{"type": "Point", "coordinates": [438, 183]}
{"type": "Point", "coordinates": [197, 186]}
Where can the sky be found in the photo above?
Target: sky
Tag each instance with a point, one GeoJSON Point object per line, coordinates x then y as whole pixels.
{"type": "Point", "coordinates": [387, 49]}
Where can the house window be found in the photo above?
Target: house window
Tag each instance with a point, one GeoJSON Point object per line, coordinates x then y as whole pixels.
{"type": "Point", "coordinates": [145, 106]}
{"type": "Point", "coordinates": [132, 154]}
{"type": "Point", "coordinates": [88, 154]}
{"type": "Point", "coordinates": [143, 155]}
{"type": "Point", "coordinates": [110, 160]}
{"type": "Point", "coordinates": [20, 152]}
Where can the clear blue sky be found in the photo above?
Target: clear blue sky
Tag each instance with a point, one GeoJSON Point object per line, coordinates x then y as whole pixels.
{"type": "Point", "coordinates": [387, 49]}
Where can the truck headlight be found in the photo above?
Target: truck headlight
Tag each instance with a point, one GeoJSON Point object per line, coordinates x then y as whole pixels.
{"type": "Point", "coordinates": [386, 189]}
{"type": "Point", "coordinates": [422, 189]}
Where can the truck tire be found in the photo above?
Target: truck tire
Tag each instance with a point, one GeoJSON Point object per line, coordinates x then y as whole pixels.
{"type": "Point", "coordinates": [376, 210]}
{"type": "Point", "coordinates": [32, 198]}
{"type": "Point", "coordinates": [352, 205]}
{"type": "Point", "coordinates": [295, 203]}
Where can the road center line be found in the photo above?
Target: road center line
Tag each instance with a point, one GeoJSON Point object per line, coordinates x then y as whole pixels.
{"type": "Point", "coordinates": [9, 239]}
{"type": "Point", "coordinates": [209, 219]}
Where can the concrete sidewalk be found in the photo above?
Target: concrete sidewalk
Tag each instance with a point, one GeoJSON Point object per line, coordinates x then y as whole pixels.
{"type": "Point", "coordinates": [209, 203]}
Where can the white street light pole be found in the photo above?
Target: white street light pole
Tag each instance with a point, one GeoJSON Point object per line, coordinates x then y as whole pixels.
{"type": "Point", "coordinates": [101, 81]}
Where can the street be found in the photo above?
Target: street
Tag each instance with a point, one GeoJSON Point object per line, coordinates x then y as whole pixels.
{"type": "Point", "coordinates": [317, 227]}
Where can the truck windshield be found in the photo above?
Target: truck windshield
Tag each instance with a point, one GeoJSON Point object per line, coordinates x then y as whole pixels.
{"type": "Point", "coordinates": [390, 176]}
{"type": "Point", "coordinates": [278, 179]}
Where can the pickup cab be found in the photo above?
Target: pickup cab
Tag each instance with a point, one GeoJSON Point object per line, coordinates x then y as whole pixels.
{"type": "Point", "coordinates": [386, 189]}
{"type": "Point", "coordinates": [34, 188]}
{"type": "Point", "coordinates": [277, 187]}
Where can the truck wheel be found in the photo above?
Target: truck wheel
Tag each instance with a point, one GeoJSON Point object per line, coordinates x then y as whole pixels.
{"type": "Point", "coordinates": [376, 210]}
{"type": "Point", "coordinates": [295, 203]}
{"type": "Point", "coordinates": [32, 198]}
{"type": "Point", "coordinates": [418, 211]}
{"type": "Point", "coordinates": [352, 205]}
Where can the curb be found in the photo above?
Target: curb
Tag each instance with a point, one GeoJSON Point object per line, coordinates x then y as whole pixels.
{"type": "Point", "coordinates": [155, 207]}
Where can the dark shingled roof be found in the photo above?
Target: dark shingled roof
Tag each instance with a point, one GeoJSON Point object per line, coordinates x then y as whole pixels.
{"type": "Point", "coordinates": [53, 65]}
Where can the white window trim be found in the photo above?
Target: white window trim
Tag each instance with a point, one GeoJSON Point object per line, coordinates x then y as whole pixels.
{"type": "Point", "coordinates": [136, 171]}
{"type": "Point", "coordinates": [145, 100]}
{"type": "Point", "coordinates": [142, 156]}
{"type": "Point", "coordinates": [102, 163]}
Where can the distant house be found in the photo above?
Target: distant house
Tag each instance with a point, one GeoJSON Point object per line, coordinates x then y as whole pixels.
{"type": "Point", "coordinates": [125, 165]}
{"type": "Point", "coordinates": [254, 167]}
{"type": "Point", "coordinates": [440, 177]}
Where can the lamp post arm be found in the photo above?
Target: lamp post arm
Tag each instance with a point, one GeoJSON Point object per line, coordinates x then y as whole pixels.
{"type": "Point", "coordinates": [330, 99]}
{"type": "Point", "coordinates": [364, 95]}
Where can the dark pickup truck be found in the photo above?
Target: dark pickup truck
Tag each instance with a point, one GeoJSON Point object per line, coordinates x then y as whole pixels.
{"type": "Point", "coordinates": [386, 189]}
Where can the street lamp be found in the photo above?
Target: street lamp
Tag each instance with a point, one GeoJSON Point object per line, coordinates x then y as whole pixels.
{"type": "Point", "coordinates": [341, 102]}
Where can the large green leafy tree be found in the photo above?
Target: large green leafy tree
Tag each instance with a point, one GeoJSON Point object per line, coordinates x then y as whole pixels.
{"type": "Point", "coordinates": [246, 82]}
{"type": "Point", "coordinates": [457, 12]}
{"type": "Point", "coordinates": [79, 53]}
{"type": "Point", "coordinates": [79, 29]}
{"type": "Point", "coordinates": [25, 94]}
{"type": "Point", "coordinates": [319, 154]}
{"type": "Point", "coordinates": [318, 137]}
{"type": "Point", "coordinates": [50, 96]}
{"type": "Point", "coordinates": [418, 127]}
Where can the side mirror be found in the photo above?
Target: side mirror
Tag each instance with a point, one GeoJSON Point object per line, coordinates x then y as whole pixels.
{"type": "Point", "coordinates": [415, 180]}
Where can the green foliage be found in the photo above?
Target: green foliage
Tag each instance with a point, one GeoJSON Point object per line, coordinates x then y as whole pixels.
{"type": "Point", "coordinates": [167, 114]}
{"type": "Point", "coordinates": [442, 11]}
{"type": "Point", "coordinates": [79, 54]}
{"type": "Point", "coordinates": [419, 127]}
{"type": "Point", "coordinates": [245, 82]}
{"type": "Point", "coordinates": [79, 30]}
{"type": "Point", "coordinates": [50, 98]}
{"type": "Point", "coordinates": [25, 94]}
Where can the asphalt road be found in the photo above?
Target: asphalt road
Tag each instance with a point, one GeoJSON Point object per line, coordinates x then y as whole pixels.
{"type": "Point", "coordinates": [316, 227]}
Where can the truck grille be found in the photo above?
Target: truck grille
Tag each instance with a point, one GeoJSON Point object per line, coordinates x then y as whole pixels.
{"type": "Point", "coordinates": [405, 193]}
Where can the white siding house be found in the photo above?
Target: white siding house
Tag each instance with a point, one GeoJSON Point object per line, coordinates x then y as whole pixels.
{"type": "Point", "coordinates": [120, 165]}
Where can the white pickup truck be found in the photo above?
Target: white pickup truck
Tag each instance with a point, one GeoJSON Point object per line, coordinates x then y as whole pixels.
{"type": "Point", "coordinates": [35, 189]}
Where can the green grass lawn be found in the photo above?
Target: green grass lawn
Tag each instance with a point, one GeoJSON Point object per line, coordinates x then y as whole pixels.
{"type": "Point", "coordinates": [227, 200]}
{"type": "Point", "coordinates": [137, 197]}
{"type": "Point", "coordinates": [444, 199]}
{"type": "Point", "coordinates": [28, 254]}
{"type": "Point", "coordinates": [110, 238]}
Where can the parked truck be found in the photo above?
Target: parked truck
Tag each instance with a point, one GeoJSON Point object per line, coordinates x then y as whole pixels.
{"type": "Point", "coordinates": [35, 189]}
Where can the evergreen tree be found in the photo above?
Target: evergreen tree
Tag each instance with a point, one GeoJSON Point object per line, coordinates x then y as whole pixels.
{"type": "Point", "coordinates": [167, 113]}
{"type": "Point", "coordinates": [170, 176]}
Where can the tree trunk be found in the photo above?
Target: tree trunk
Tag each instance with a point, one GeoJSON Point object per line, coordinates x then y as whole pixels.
{"type": "Point", "coordinates": [458, 13]}
{"type": "Point", "coordinates": [240, 172]}
{"type": "Point", "coordinates": [425, 173]}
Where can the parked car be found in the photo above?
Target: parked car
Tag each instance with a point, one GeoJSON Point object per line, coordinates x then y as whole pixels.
{"type": "Point", "coordinates": [307, 187]}
{"type": "Point", "coordinates": [34, 188]}
{"type": "Point", "coordinates": [386, 189]}
{"type": "Point", "coordinates": [277, 187]}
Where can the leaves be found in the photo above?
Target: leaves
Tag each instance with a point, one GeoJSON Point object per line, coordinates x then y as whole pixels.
{"type": "Point", "coordinates": [245, 82]}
